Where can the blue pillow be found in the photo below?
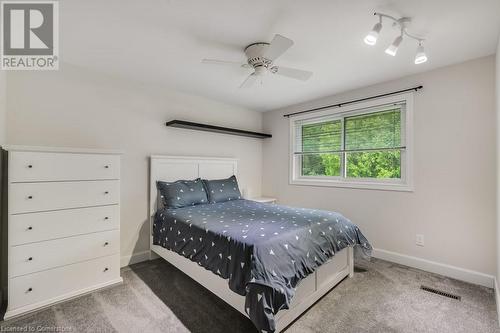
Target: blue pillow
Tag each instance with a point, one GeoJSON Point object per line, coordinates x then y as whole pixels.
{"type": "Point", "coordinates": [182, 193]}
{"type": "Point", "coordinates": [221, 190]}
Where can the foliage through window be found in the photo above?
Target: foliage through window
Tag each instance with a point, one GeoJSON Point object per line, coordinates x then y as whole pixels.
{"type": "Point", "coordinates": [365, 145]}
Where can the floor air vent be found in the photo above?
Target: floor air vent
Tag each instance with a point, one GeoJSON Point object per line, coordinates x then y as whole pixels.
{"type": "Point", "coordinates": [439, 292]}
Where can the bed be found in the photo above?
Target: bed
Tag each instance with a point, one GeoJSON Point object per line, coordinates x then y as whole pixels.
{"type": "Point", "coordinates": [251, 255]}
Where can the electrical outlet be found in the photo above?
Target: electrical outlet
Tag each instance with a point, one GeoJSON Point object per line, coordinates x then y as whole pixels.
{"type": "Point", "coordinates": [419, 240]}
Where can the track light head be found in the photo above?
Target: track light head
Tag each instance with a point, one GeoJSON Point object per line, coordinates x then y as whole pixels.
{"type": "Point", "coordinates": [371, 38]}
{"type": "Point", "coordinates": [420, 57]}
{"type": "Point", "coordinates": [393, 48]}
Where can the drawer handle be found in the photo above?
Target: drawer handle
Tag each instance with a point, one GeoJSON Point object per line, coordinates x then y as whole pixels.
{"type": "Point", "coordinates": [106, 269]}
{"type": "Point", "coordinates": [30, 166]}
{"type": "Point", "coordinates": [30, 228]}
{"type": "Point", "coordinates": [30, 197]}
{"type": "Point", "coordinates": [106, 218]}
{"type": "Point", "coordinates": [30, 258]}
{"type": "Point", "coordinates": [29, 290]}
{"type": "Point", "coordinates": [107, 192]}
{"type": "Point", "coordinates": [106, 166]}
{"type": "Point", "coordinates": [106, 244]}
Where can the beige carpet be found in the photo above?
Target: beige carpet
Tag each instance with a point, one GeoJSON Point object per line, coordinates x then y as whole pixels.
{"type": "Point", "coordinates": [382, 297]}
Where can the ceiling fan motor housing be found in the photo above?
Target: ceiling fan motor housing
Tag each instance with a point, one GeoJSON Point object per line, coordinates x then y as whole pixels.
{"type": "Point", "coordinates": [261, 57]}
{"type": "Point", "coordinates": [254, 54]}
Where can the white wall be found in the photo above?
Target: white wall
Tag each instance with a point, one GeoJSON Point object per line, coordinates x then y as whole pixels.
{"type": "Point", "coordinates": [498, 170]}
{"type": "Point", "coordinates": [454, 200]}
{"type": "Point", "coordinates": [77, 108]}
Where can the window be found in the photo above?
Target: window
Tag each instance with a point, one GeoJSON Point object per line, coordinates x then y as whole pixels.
{"type": "Point", "coordinates": [364, 145]}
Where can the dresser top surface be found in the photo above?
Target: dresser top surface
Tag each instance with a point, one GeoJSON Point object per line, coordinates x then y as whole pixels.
{"type": "Point", "coordinates": [62, 150]}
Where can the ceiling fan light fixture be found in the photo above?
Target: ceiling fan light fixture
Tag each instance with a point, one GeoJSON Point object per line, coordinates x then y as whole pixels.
{"type": "Point", "coordinates": [371, 38]}
{"type": "Point", "coordinates": [260, 70]}
{"type": "Point", "coordinates": [420, 57]}
{"type": "Point", "coordinates": [393, 48]}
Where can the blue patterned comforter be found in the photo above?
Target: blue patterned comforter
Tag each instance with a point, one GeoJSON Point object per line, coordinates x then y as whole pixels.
{"type": "Point", "coordinates": [263, 250]}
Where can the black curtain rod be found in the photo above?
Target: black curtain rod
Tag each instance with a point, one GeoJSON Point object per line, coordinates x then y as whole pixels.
{"type": "Point", "coordinates": [354, 101]}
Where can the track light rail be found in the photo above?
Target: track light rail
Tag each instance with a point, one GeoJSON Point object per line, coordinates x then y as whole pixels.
{"type": "Point", "coordinates": [402, 23]}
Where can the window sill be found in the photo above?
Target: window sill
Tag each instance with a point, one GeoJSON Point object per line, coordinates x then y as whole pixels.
{"type": "Point", "coordinates": [381, 186]}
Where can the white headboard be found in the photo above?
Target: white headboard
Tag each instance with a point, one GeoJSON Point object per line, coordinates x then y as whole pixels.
{"type": "Point", "coordinates": [172, 168]}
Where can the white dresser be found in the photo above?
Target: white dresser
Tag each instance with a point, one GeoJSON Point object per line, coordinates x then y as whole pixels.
{"type": "Point", "coordinates": [63, 222]}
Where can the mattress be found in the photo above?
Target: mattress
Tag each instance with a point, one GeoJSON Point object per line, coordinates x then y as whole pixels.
{"type": "Point", "coordinates": [263, 250]}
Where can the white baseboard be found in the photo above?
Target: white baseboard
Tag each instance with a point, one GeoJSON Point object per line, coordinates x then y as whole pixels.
{"type": "Point", "coordinates": [454, 272]}
{"type": "Point", "coordinates": [134, 258]}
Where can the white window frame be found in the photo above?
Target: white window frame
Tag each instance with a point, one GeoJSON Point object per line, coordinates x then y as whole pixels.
{"type": "Point", "coordinates": [405, 183]}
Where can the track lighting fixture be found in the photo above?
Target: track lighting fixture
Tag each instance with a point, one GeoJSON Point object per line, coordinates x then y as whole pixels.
{"type": "Point", "coordinates": [371, 38]}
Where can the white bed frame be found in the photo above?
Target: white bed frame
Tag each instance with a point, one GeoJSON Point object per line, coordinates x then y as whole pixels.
{"type": "Point", "coordinates": [310, 290]}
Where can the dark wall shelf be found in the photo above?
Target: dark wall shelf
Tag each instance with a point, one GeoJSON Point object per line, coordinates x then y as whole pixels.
{"type": "Point", "coordinates": [216, 129]}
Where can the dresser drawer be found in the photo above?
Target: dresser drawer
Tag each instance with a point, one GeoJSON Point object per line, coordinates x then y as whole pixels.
{"type": "Point", "coordinates": [35, 227]}
{"type": "Point", "coordinates": [49, 285]}
{"type": "Point", "coordinates": [33, 197]}
{"type": "Point", "coordinates": [40, 166]}
{"type": "Point", "coordinates": [34, 257]}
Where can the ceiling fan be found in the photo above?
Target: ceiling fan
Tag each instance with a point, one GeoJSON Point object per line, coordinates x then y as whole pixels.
{"type": "Point", "coordinates": [261, 57]}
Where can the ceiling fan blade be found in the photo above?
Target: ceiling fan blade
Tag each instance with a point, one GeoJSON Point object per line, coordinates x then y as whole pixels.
{"type": "Point", "coordinates": [249, 81]}
{"type": "Point", "coordinates": [294, 73]}
{"type": "Point", "coordinates": [278, 46]}
{"type": "Point", "coordinates": [224, 62]}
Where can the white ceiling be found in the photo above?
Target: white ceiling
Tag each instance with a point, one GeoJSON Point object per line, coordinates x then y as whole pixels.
{"type": "Point", "coordinates": [162, 42]}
